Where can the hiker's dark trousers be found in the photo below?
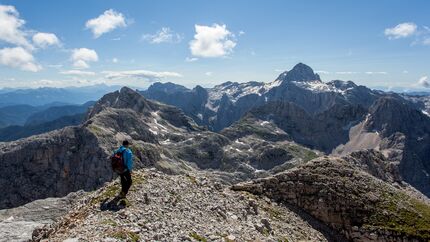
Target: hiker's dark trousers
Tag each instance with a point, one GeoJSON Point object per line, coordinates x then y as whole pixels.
{"type": "Point", "coordinates": [125, 181]}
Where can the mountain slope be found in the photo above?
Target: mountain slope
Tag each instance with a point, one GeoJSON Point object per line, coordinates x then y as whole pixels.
{"type": "Point", "coordinates": [73, 158]}
{"type": "Point", "coordinates": [196, 207]}
{"type": "Point", "coordinates": [348, 200]}
{"type": "Point", "coordinates": [222, 105]}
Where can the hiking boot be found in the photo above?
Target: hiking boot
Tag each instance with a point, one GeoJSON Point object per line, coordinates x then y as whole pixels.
{"type": "Point", "coordinates": [121, 195]}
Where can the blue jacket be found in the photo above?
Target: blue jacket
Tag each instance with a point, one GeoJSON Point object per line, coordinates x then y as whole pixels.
{"type": "Point", "coordinates": [128, 157]}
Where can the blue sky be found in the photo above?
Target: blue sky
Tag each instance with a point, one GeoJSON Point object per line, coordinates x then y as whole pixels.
{"type": "Point", "coordinates": [71, 43]}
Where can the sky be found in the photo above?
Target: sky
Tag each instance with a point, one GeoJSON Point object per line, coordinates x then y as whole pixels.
{"type": "Point", "coordinates": [381, 44]}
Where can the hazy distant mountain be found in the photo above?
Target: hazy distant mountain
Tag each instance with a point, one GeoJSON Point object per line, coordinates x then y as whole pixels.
{"type": "Point", "coordinates": [16, 114]}
{"type": "Point", "coordinates": [56, 112]}
{"type": "Point", "coordinates": [14, 132]}
{"type": "Point", "coordinates": [46, 95]}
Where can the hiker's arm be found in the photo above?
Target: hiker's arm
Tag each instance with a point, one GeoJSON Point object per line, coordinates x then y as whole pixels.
{"type": "Point", "coordinates": [129, 160]}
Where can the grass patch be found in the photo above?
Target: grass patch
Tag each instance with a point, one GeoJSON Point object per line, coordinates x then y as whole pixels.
{"type": "Point", "coordinates": [301, 152]}
{"type": "Point", "coordinates": [274, 213]}
{"type": "Point", "coordinates": [198, 237]}
{"type": "Point", "coordinates": [108, 192]}
{"type": "Point", "coordinates": [192, 179]}
{"type": "Point", "coordinates": [95, 129]}
{"type": "Point", "coordinates": [400, 213]}
{"type": "Point", "coordinates": [125, 235]}
{"type": "Point", "coordinates": [109, 222]}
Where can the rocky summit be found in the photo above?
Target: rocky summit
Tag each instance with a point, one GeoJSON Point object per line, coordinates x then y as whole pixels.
{"type": "Point", "coordinates": [296, 159]}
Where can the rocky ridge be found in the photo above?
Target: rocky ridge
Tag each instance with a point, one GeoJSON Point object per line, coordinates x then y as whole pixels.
{"type": "Point", "coordinates": [192, 207]}
{"type": "Point", "coordinates": [348, 200]}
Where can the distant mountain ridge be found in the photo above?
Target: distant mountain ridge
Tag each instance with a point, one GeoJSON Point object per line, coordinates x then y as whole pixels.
{"type": "Point", "coordinates": [334, 117]}
{"type": "Point", "coordinates": [46, 95]}
{"type": "Point", "coordinates": [222, 105]}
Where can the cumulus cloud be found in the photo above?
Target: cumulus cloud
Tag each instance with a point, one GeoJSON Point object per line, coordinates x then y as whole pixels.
{"type": "Point", "coordinates": [81, 57]}
{"type": "Point", "coordinates": [78, 73]}
{"type": "Point", "coordinates": [146, 75]}
{"type": "Point", "coordinates": [11, 27]}
{"type": "Point", "coordinates": [402, 30]}
{"type": "Point", "coordinates": [424, 81]}
{"type": "Point", "coordinates": [106, 22]}
{"type": "Point", "coordinates": [44, 40]}
{"type": "Point", "coordinates": [164, 35]}
{"type": "Point", "coordinates": [212, 41]}
{"type": "Point", "coordinates": [19, 57]}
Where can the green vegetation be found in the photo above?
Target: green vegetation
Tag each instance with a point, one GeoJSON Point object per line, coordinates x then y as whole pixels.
{"type": "Point", "coordinates": [198, 237]}
{"type": "Point", "coordinates": [108, 192]}
{"type": "Point", "coordinates": [400, 213]}
{"type": "Point", "coordinates": [125, 235]}
{"type": "Point", "coordinates": [95, 129]}
{"type": "Point", "coordinates": [192, 179]}
{"type": "Point", "coordinates": [109, 222]}
{"type": "Point", "coordinates": [274, 213]}
{"type": "Point", "coordinates": [305, 154]}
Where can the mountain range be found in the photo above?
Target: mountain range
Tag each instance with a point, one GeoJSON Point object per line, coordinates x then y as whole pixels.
{"type": "Point", "coordinates": [351, 162]}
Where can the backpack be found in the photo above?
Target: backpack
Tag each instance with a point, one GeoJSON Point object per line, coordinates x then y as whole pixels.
{"type": "Point", "coordinates": [117, 162]}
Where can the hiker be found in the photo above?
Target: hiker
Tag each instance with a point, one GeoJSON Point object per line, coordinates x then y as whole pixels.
{"type": "Point", "coordinates": [127, 158]}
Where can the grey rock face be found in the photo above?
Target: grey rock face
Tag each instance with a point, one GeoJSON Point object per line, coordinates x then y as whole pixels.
{"type": "Point", "coordinates": [222, 105]}
{"type": "Point", "coordinates": [390, 117]}
{"type": "Point", "coordinates": [347, 199]}
{"type": "Point", "coordinates": [17, 224]}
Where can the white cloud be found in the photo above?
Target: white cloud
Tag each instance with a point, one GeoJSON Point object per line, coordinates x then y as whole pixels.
{"type": "Point", "coordinates": [44, 40]}
{"type": "Point", "coordinates": [376, 72]}
{"type": "Point", "coordinates": [81, 57]}
{"type": "Point", "coordinates": [140, 74]}
{"type": "Point", "coordinates": [164, 35]}
{"type": "Point", "coordinates": [212, 41]}
{"type": "Point", "coordinates": [424, 81]}
{"type": "Point", "coordinates": [191, 59]}
{"type": "Point", "coordinates": [106, 22]}
{"type": "Point", "coordinates": [405, 72]}
{"type": "Point", "coordinates": [426, 41]}
{"type": "Point", "coordinates": [208, 73]}
{"type": "Point", "coordinates": [346, 72]}
{"type": "Point", "coordinates": [401, 30]}
{"type": "Point", "coordinates": [78, 73]}
{"type": "Point", "coordinates": [19, 57]}
{"type": "Point", "coordinates": [11, 27]}
{"type": "Point", "coordinates": [115, 60]}
{"type": "Point", "coordinates": [322, 72]}
{"type": "Point", "coordinates": [241, 32]}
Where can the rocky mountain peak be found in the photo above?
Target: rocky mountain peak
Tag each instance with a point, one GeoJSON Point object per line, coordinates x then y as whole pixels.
{"type": "Point", "coordinates": [299, 73]}
{"type": "Point", "coordinates": [167, 87]}
{"type": "Point", "coordinates": [124, 98]}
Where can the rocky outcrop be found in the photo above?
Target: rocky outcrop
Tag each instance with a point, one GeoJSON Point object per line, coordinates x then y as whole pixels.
{"type": "Point", "coordinates": [323, 131]}
{"type": "Point", "coordinates": [17, 224]}
{"type": "Point", "coordinates": [348, 200]}
{"type": "Point", "coordinates": [193, 207]}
